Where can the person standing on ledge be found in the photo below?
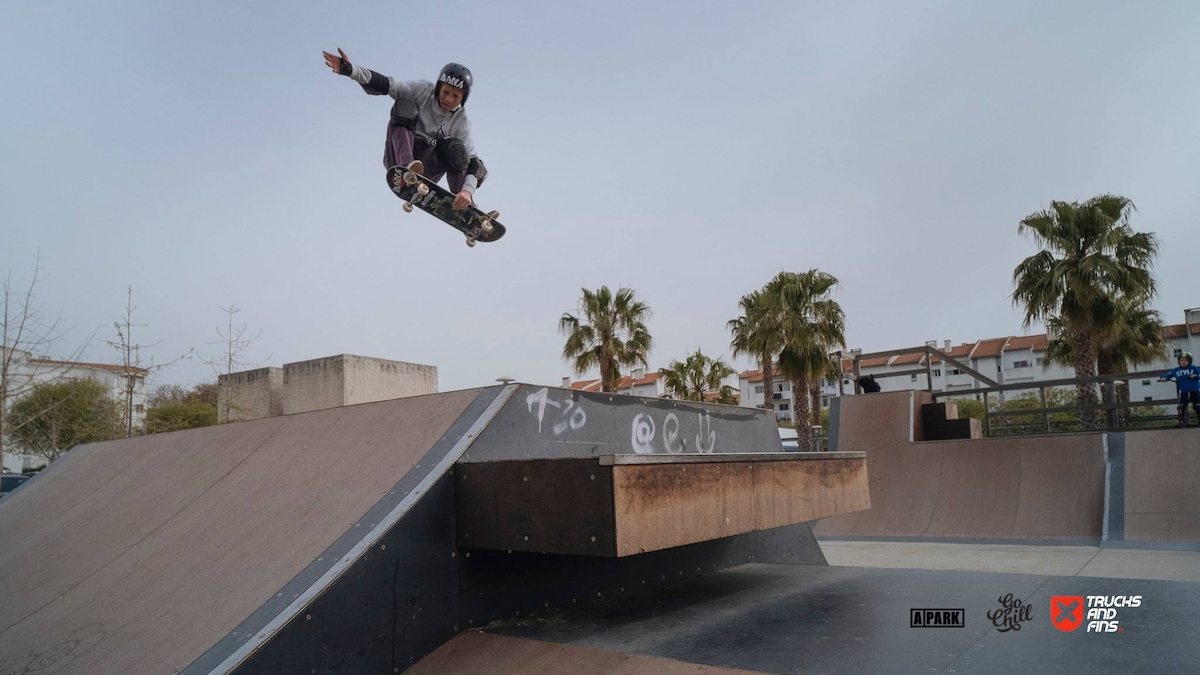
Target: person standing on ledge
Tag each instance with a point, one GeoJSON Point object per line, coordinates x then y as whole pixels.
{"type": "Point", "coordinates": [1187, 380]}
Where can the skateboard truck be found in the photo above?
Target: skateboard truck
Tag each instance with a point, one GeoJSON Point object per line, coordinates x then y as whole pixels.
{"type": "Point", "coordinates": [410, 178]}
{"type": "Point", "coordinates": [485, 223]}
{"type": "Point", "coordinates": [485, 227]}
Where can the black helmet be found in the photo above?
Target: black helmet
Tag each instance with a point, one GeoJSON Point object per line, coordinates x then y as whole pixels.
{"type": "Point", "coordinates": [455, 75]}
{"type": "Point", "coordinates": [1188, 356]}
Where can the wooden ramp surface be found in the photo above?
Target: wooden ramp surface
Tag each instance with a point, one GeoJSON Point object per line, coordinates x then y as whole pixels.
{"type": "Point", "coordinates": [138, 555]}
{"type": "Point", "coordinates": [478, 653]}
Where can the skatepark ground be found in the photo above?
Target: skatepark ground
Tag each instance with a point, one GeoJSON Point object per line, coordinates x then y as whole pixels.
{"type": "Point", "coordinates": [1076, 561]}
{"type": "Point", "coordinates": [766, 618]}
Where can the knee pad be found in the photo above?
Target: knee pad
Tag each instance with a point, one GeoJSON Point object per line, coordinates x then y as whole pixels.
{"type": "Point", "coordinates": [405, 112]}
{"type": "Point", "coordinates": [452, 153]}
{"type": "Point", "coordinates": [476, 168]}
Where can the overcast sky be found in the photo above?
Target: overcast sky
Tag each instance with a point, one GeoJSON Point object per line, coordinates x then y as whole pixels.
{"type": "Point", "coordinates": [201, 153]}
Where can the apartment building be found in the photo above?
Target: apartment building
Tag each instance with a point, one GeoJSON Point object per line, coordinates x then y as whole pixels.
{"type": "Point", "coordinates": [637, 383]}
{"type": "Point", "coordinates": [1006, 360]}
{"type": "Point", "coordinates": [27, 371]}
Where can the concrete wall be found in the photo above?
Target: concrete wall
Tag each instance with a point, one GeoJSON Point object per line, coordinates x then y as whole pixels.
{"type": "Point", "coordinates": [250, 395]}
{"type": "Point", "coordinates": [369, 379]}
{"type": "Point", "coordinates": [1111, 486]}
{"type": "Point", "coordinates": [1037, 487]}
{"type": "Point", "coordinates": [347, 379]}
{"type": "Point", "coordinates": [1162, 472]}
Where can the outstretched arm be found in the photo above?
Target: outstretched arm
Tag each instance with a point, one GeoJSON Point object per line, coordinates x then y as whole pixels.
{"type": "Point", "coordinates": [372, 82]}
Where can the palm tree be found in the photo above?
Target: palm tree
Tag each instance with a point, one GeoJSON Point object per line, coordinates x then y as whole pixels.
{"type": "Point", "coordinates": [610, 333]}
{"type": "Point", "coordinates": [811, 325]}
{"type": "Point", "coordinates": [830, 373]}
{"type": "Point", "coordinates": [1090, 258]}
{"type": "Point", "coordinates": [696, 377]}
{"type": "Point", "coordinates": [755, 336]}
{"type": "Point", "coordinates": [1134, 338]}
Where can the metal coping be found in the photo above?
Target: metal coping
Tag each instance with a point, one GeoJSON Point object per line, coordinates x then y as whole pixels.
{"type": "Point", "coordinates": [624, 460]}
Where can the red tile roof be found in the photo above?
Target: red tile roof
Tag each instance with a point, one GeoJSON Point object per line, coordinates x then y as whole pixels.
{"type": "Point", "coordinates": [871, 363]}
{"type": "Point", "coordinates": [1175, 331]}
{"type": "Point", "coordinates": [751, 375]}
{"type": "Point", "coordinates": [1194, 328]}
{"type": "Point", "coordinates": [908, 359]}
{"type": "Point", "coordinates": [1038, 343]}
{"type": "Point", "coordinates": [989, 348]}
{"type": "Point", "coordinates": [958, 351]}
{"type": "Point", "coordinates": [98, 366]}
{"type": "Point", "coordinates": [627, 382]}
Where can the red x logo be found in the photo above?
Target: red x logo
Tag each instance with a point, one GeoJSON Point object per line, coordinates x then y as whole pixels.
{"type": "Point", "coordinates": [1066, 612]}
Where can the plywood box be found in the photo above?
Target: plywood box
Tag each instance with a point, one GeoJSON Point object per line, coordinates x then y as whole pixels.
{"type": "Point", "coordinates": [621, 505]}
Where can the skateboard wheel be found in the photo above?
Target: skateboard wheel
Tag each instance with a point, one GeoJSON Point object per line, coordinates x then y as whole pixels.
{"type": "Point", "coordinates": [422, 189]}
{"type": "Point", "coordinates": [494, 215]}
{"type": "Point", "coordinates": [486, 225]}
{"type": "Point", "coordinates": [408, 207]}
{"type": "Point", "coordinates": [471, 243]}
{"type": "Point", "coordinates": [410, 178]}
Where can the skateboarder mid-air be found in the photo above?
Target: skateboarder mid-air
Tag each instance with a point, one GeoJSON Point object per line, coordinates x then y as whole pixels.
{"type": "Point", "coordinates": [428, 132]}
{"type": "Point", "coordinates": [1187, 379]}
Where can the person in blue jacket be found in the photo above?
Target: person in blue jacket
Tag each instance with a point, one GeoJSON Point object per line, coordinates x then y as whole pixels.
{"type": "Point", "coordinates": [1187, 380]}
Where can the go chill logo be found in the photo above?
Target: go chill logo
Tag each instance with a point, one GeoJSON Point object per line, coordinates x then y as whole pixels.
{"type": "Point", "coordinates": [1067, 611]}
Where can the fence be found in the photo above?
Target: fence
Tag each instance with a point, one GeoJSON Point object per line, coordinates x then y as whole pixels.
{"type": "Point", "coordinates": [1112, 412]}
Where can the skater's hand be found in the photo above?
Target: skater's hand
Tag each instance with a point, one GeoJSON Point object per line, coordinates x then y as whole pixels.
{"type": "Point", "coordinates": [335, 62]}
{"type": "Point", "coordinates": [462, 200]}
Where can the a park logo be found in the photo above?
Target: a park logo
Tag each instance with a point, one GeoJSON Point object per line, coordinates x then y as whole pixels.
{"type": "Point", "coordinates": [937, 618]}
{"type": "Point", "coordinates": [1066, 612]}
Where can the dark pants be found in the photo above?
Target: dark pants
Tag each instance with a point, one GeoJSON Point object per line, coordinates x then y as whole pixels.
{"type": "Point", "coordinates": [1186, 397]}
{"type": "Point", "coordinates": [403, 147]}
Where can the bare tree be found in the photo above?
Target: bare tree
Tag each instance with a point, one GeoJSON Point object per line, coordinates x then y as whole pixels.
{"type": "Point", "coordinates": [131, 360]}
{"type": "Point", "coordinates": [26, 337]}
{"type": "Point", "coordinates": [234, 344]}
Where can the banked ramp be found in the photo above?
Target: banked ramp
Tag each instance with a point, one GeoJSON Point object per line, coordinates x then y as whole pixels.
{"type": "Point", "coordinates": [325, 542]}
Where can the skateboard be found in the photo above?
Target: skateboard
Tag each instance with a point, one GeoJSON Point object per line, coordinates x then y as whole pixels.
{"type": "Point", "coordinates": [422, 193]}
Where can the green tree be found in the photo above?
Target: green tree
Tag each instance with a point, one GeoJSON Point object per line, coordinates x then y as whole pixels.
{"type": "Point", "coordinates": [181, 415]}
{"type": "Point", "coordinates": [811, 325]}
{"type": "Point", "coordinates": [56, 416]}
{"type": "Point", "coordinates": [609, 332]}
{"type": "Point", "coordinates": [1035, 422]}
{"type": "Point", "coordinates": [1090, 258]}
{"type": "Point", "coordinates": [755, 335]}
{"type": "Point", "coordinates": [171, 408]}
{"type": "Point", "coordinates": [697, 376]}
{"type": "Point", "coordinates": [968, 407]}
{"type": "Point", "coordinates": [1132, 339]}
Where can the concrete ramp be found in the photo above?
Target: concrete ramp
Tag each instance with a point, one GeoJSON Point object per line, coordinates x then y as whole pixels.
{"type": "Point", "coordinates": [1031, 487]}
{"type": "Point", "coordinates": [1154, 494]}
{"type": "Point", "coordinates": [325, 542]}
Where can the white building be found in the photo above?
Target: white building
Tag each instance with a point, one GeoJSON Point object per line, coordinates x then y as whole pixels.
{"type": "Point", "coordinates": [1006, 360]}
{"type": "Point", "coordinates": [637, 383]}
{"type": "Point", "coordinates": [27, 371]}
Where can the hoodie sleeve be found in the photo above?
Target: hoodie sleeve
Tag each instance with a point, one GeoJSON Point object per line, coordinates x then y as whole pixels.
{"type": "Point", "coordinates": [378, 84]}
